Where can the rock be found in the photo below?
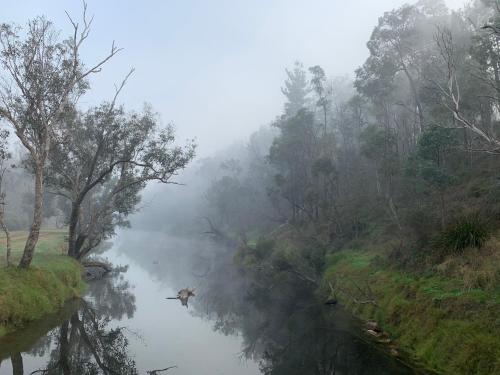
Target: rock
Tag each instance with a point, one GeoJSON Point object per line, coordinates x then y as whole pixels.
{"type": "Point", "coordinates": [373, 325]}
{"type": "Point", "coordinates": [373, 333]}
{"type": "Point", "coordinates": [394, 352]}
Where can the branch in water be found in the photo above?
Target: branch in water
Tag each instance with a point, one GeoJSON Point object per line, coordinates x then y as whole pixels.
{"type": "Point", "coordinates": [156, 372]}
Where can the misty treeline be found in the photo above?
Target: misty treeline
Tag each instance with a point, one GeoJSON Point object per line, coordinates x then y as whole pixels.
{"type": "Point", "coordinates": [94, 160]}
{"type": "Point", "coordinates": [409, 148]}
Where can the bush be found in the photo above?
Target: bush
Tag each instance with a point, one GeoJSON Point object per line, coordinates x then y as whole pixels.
{"type": "Point", "coordinates": [423, 224]}
{"type": "Point", "coordinates": [470, 231]}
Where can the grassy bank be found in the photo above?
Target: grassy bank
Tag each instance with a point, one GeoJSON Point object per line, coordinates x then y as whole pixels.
{"type": "Point", "coordinates": [441, 315]}
{"type": "Point", "coordinates": [447, 319]}
{"type": "Point", "coordinates": [27, 295]}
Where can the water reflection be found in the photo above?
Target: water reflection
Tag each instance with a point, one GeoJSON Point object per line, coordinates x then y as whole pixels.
{"type": "Point", "coordinates": [282, 325]}
{"type": "Point", "coordinates": [88, 341]}
{"type": "Point", "coordinates": [287, 331]}
{"type": "Point", "coordinates": [278, 322]}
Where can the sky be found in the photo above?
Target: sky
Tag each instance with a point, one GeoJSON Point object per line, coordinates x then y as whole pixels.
{"type": "Point", "coordinates": [213, 68]}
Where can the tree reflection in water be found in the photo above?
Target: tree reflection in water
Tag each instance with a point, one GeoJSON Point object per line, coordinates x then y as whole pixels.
{"type": "Point", "coordinates": [284, 327]}
{"type": "Point", "coordinates": [86, 344]}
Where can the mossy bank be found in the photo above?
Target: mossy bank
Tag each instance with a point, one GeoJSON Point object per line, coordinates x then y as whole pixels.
{"type": "Point", "coordinates": [53, 279]}
{"type": "Point", "coordinates": [442, 316]}
{"type": "Point", "coordinates": [447, 320]}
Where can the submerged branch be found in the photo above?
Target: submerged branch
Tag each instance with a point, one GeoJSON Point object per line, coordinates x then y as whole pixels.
{"type": "Point", "coordinates": [156, 372]}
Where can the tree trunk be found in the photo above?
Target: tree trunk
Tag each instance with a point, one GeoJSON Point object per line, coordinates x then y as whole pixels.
{"type": "Point", "coordinates": [416, 97]}
{"type": "Point", "coordinates": [324, 113]}
{"type": "Point", "coordinates": [73, 223]}
{"type": "Point", "coordinates": [443, 209]}
{"type": "Point", "coordinates": [17, 364]}
{"type": "Point", "coordinates": [394, 212]}
{"type": "Point", "coordinates": [29, 248]}
{"type": "Point", "coordinates": [64, 349]}
{"type": "Point", "coordinates": [7, 235]}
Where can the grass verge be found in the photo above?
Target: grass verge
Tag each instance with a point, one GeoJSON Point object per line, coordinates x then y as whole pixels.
{"type": "Point", "coordinates": [27, 295]}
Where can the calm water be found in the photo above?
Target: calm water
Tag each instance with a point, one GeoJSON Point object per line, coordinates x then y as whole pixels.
{"type": "Point", "coordinates": [125, 325]}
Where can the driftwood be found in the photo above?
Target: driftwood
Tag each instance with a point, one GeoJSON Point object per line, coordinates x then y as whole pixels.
{"type": "Point", "coordinates": [156, 372]}
{"type": "Point", "coordinates": [183, 295]}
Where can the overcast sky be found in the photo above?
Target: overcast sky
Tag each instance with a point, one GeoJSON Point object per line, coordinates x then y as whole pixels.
{"type": "Point", "coordinates": [214, 67]}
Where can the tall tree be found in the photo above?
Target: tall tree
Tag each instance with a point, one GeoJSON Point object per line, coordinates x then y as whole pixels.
{"type": "Point", "coordinates": [4, 157]}
{"type": "Point", "coordinates": [319, 84]}
{"type": "Point", "coordinates": [100, 161]}
{"type": "Point", "coordinates": [296, 90]}
{"type": "Point", "coordinates": [398, 46]}
{"type": "Point", "coordinates": [41, 75]}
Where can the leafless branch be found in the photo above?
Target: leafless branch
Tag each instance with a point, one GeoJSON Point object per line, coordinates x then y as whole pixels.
{"type": "Point", "coordinates": [156, 372]}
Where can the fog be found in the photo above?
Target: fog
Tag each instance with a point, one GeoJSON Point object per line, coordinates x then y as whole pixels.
{"type": "Point", "coordinates": [215, 68]}
{"type": "Point", "coordinates": [277, 187]}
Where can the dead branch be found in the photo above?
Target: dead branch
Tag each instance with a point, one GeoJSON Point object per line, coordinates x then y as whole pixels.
{"type": "Point", "coordinates": [156, 372]}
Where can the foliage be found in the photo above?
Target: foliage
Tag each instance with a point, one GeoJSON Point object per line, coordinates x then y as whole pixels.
{"type": "Point", "coordinates": [41, 76]}
{"type": "Point", "coordinates": [118, 153]}
{"type": "Point", "coordinates": [470, 231]}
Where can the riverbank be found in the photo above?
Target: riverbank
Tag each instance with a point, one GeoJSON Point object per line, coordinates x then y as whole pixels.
{"type": "Point", "coordinates": [53, 279]}
{"type": "Point", "coordinates": [446, 318]}
{"type": "Point", "coordinates": [441, 316]}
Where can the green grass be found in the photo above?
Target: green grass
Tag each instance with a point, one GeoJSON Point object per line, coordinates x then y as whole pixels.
{"type": "Point", "coordinates": [53, 278]}
{"type": "Point", "coordinates": [439, 320]}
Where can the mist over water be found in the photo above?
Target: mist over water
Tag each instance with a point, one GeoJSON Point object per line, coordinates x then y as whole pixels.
{"type": "Point", "coordinates": [275, 188]}
{"type": "Point", "coordinates": [230, 327]}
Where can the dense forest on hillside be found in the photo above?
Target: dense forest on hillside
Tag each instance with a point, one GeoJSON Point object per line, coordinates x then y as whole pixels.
{"type": "Point", "coordinates": [381, 191]}
{"type": "Point", "coordinates": [376, 194]}
{"type": "Point", "coordinates": [409, 148]}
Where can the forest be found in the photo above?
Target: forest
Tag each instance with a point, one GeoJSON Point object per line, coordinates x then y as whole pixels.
{"type": "Point", "coordinates": [377, 191]}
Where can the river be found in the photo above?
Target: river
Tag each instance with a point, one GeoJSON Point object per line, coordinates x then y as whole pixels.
{"type": "Point", "coordinates": [125, 324]}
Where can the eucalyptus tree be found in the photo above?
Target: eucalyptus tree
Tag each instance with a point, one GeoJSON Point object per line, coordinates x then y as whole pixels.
{"type": "Point", "coordinates": [398, 46]}
{"type": "Point", "coordinates": [4, 157]}
{"type": "Point", "coordinates": [319, 85]}
{"type": "Point", "coordinates": [101, 160]}
{"type": "Point", "coordinates": [293, 153]}
{"type": "Point", "coordinates": [296, 90]}
{"type": "Point", "coordinates": [380, 147]}
{"type": "Point", "coordinates": [455, 87]}
{"type": "Point", "coordinates": [429, 163]}
{"type": "Point", "coordinates": [41, 74]}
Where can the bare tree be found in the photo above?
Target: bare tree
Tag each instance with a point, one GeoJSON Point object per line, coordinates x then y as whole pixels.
{"type": "Point", "coordinates": [450, 91]}
{"type": "Point", "coordinates": [41, 75]}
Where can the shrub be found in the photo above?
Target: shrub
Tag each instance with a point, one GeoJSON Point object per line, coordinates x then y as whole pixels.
{"type": "Point", "coordinates": [264, 248]}
{"type": "Point", "coordinates": [470, 231]}
{"type": "Point", "coordinates": [423, 224]}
